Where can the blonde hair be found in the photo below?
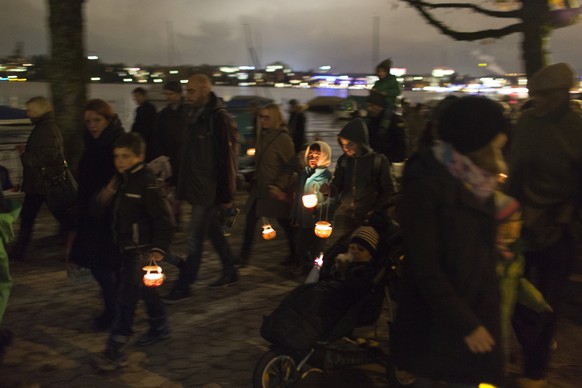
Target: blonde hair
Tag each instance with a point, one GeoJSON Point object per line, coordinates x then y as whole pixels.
{"type": "Point", "coordinates": [40, 104]}
{"type": "Point", "coordinates": [276, 116]}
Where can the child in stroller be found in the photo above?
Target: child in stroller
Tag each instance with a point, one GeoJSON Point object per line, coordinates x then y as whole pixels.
{"type": "Point", "coordinates": [349, 294]}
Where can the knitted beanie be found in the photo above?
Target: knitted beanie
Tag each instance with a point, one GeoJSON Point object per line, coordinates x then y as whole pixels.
{"type": "Point", "coordinates": [471, 122]}
{"type": "Point", "coordinates": [556, 76]}
{"type": "Point", "coordinates": [367, 237]}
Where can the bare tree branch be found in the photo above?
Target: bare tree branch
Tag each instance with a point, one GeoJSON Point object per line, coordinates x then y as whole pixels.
{"type": "Point", "coordinates": [465, 36]}
{"type": "Point", "coordinates": [418, 4]}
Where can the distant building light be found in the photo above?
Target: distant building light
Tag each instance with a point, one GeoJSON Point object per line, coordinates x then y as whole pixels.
{"type": "Point", "coordinates": [157, 80]}
{"type": "Point", "coordinates": [482, 64]}
{"type": "Point", "coordinates": [95, 78]}
{"type": "Point", "coordinates": [92, 57]}
{"type": "Point", "coordinates": [12, 76]}
{"type": "Point", "coordinates": [229, 69]}
{"type": "Point", "coordinates": [27, 64]}
{"type": "Point", "coordinates": [173, 71]}
{"type": "Point", "coordinates": [325, 68]}
{"type": "Point", "coordinates": [398, 71]}
{"type": "Point", "coordinates": [246, 67]}
{"type": "Point", "coordinates": [442, 72]}
{"type": "Point", "coordinates": [127, 79]}
{"type": "Point", "coordinates": [183, 81]}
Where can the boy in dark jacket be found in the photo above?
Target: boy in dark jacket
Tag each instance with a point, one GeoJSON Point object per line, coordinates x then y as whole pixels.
{"type": "Point", "coordinates": [141, 226]}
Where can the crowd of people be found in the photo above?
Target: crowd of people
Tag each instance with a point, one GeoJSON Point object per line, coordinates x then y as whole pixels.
{"type": "Point", "coordinates": [451, 206]}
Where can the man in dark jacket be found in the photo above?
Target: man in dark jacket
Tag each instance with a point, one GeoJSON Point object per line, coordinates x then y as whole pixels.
{"type": "Point", "coordinates": [42, 157]}
{"type": "Point", "coordinates": [545, 175]}
{"type": "Point", "coordinates": [297, 124]}
{"type": "Point", "coordinates": [145, 119]}
{"type": "Point", "coordinates": [362, 183]}
{"type": "Point", "coordinates": [207, 179]}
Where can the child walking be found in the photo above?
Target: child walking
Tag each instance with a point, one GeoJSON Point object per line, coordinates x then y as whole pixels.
{"type": "Point", "coordinates": [142, 227]}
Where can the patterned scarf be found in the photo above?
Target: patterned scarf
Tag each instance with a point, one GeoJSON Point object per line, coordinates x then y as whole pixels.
{"type": "Point", "coordinates": [480, 182]}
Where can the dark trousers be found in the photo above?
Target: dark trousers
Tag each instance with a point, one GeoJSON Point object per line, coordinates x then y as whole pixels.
{"type": "Point", "coordinates": [548, 269]}
{"type": "Point", "coordinates": [250, 232]}
{"type": "Point", "coordinates": [109, 281]}
{"type": "Point", "coordinates": [204, 219]}
{"type": "Point", "coordinates": [131, 290]}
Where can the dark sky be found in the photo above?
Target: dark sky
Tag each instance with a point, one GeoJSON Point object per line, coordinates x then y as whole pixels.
{"type": "Point", "coordinates": [302, 33]}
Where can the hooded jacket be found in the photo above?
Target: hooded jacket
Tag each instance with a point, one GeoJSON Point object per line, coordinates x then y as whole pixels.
{"type": "Point", "coordinates": [43, 154]}
{"type": "Point", "coordinates": [357, 186]}
{"type": "Point", "coordinates": [309, 182]}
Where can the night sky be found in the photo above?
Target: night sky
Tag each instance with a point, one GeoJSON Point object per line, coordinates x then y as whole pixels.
{"type": "Point", "coordinates": [303, 33]}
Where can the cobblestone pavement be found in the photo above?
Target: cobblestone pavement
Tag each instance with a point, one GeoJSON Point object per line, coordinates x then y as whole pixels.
{"type": "Point", "coordinates": [215, 339]}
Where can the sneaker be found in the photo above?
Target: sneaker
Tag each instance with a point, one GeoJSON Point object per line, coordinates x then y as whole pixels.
{"type": "Point", "coordinates": [225, 280]}
{"type": "Point", "coordinates": [107, 361]}
{"type": "Point", "coordinates": [153, 336]}
{"type": "Point", "coordinates": [176, 295]}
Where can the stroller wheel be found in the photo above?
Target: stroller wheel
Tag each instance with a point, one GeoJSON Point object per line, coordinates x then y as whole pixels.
{"type": "Point", "coordinates": [277, 368]}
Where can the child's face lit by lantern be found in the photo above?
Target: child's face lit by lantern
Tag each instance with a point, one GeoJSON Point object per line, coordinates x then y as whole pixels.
{"type": "Point", "coordinates": [313, 158]}
{"type": "Point", "coordinates": [359, 253]}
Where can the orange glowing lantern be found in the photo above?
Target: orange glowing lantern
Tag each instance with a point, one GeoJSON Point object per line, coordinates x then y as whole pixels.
{"type": "Point", "coordinates": [154, 276]}
{"type": "Point", "coordinates": [323, 229]}
{"type": "Point", "coordinates": [251, 152]}
{"type": "Point", "coordinates": [268, 231]}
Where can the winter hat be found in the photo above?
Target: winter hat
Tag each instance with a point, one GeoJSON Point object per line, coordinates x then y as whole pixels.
{"type": "Point", "coordinates": [173, 86]}
{"type": "Point", "coordinates": [552, 77]}
{"type": "Point", "coordinates": [367, 237]}
{"type": "Point", "coordinates": [471, 122]}
{"type": "Point", "coordinates": [376, 98]}
{"type": "Point", "coordinates": [355, 130]}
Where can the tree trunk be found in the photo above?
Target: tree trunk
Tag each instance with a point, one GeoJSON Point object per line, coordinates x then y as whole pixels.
{"type": "Point", "coordinates": [536, 36]}
{"type": "Point", "coordinates": [67, 74]}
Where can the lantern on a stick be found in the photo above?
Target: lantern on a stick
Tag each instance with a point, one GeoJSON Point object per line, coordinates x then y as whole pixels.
{"type": "Point", "coordinates": [154, 277]}
{"type": "Point", "coordinates": [323, 229]}
{"type": "Point", "coordinates": [310, 200]}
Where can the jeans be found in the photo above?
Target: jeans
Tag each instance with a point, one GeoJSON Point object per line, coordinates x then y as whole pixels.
{"type": "Point", "coordinates": [204, 219]}
{"type": "Point", "coordinates": [131, 290]}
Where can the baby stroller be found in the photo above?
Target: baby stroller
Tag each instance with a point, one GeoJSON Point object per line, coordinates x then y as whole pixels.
{"type": "Point", "coordinates": [303, 329]}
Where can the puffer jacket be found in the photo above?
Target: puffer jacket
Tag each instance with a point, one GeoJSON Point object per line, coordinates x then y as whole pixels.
{"type": "Point", "coordinates": [43, 154]}
{"type": "Point", "coordinates": [450, 285]}
{"type": "Point", "coordinates": [357, 185]}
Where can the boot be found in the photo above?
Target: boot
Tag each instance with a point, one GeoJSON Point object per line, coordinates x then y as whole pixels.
{"type": "Point", "coordinates": [113, 357]}
{"type": "Point", "coordinates": [158, 332]}
{"type": "Point", "coordinates": [225, 280]}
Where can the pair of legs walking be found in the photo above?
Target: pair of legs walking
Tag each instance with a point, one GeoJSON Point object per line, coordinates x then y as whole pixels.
{"type": "Point", "coordinates": [204, 220]}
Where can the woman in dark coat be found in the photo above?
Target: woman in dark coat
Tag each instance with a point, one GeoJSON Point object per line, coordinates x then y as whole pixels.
{"type": "Point", "coordinates": [43, 152]}
{"type": "Point", "coordinates": [447, 327]}
{"type": "Point", "coordinates": [93, 247]}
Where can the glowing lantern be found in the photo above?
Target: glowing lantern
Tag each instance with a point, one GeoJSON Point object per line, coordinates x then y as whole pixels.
{"type": "Point", "coordinates": [154, 276]}
{"type": "Point", "coordinates": [251, 152]}
{"type": "Point", "coordinates": [323, 229]}
{"type": "Point", "coordinates": [268, 231]}
{"type": "Point", "coordinates": [309, 200]}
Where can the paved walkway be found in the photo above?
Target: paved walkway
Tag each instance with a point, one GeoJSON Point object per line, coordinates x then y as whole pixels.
{"type": "Point", "coordinates": [215, 334]}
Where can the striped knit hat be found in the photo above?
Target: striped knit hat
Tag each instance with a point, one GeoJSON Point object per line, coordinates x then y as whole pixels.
{"type": "Point", "coordinates": [367, 237]}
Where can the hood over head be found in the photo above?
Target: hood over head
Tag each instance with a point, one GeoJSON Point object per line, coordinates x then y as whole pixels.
{"type": "Point", "coordinates": [324, 157]}
{"type": "Point", "coordinates": [356, 131]}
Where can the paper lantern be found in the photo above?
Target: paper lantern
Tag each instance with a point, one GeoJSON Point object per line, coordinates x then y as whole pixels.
{"type": "Point", "coordinates": [268, 232]}
{"type": "Point", "coordinates": [323, 229]}
{"type": "Point", "coordinates": [154, 276]}
{"type": "Point", "coordinates": [309, 200]}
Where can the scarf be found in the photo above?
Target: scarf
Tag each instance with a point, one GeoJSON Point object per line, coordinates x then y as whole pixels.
{"type": "Point", "coordinates": [480, 182]}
